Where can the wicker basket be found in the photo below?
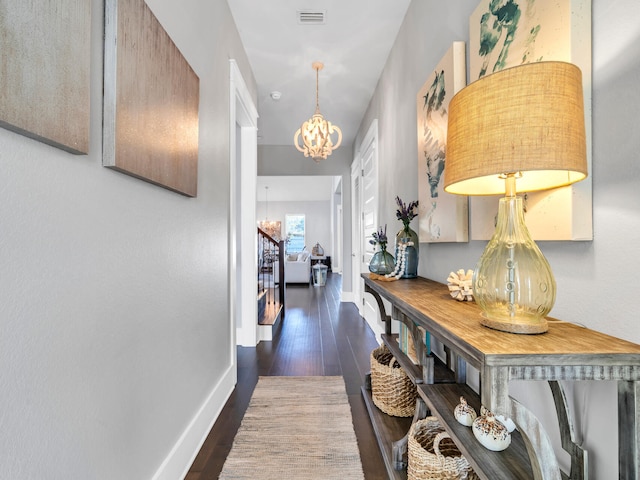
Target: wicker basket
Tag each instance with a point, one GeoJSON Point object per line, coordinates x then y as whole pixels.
{"type": "Point", "coordinates": [433, 455]}
{"type": "Point", "coordinates": [392, 390]}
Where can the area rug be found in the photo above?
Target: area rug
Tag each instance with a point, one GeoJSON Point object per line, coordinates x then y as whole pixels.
{"type": "Point", "coordinates": [296, 428]}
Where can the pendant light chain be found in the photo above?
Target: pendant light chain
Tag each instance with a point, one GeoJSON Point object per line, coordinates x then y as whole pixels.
{"type": "Point", "coordinates": [317, 89]}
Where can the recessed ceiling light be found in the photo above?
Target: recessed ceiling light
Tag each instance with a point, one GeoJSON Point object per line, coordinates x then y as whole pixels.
{"type": "Point", "coordinates": [276, 95]}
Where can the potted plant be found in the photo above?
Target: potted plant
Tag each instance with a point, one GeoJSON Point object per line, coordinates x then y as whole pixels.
{"type": "Point", "coordinates": [382, 261]}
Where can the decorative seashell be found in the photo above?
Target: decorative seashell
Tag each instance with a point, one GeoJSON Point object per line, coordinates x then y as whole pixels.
{"type": "Point", "coordinates": [507, 422]}
{"type": "Point", "coordinates": [464, 413]}
{"type": "Point", "coordinates": [490, 432]}
{"type": "Point", "coordinates": [460, 285]}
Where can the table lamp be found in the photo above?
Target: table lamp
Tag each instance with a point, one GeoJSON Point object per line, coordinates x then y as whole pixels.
{"type": "Point", "coordinates": [518, 130]}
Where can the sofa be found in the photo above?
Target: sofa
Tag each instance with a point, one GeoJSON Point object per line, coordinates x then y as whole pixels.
{"type": "Point", "coordinates": [297, 267]}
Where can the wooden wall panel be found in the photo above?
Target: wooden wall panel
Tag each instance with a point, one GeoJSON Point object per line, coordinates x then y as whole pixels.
{"type": "Point", "coordinates": [151, 101]}
{"type": "Point", "coordinates": [45, 63]}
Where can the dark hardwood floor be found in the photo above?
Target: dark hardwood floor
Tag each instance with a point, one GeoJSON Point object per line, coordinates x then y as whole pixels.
{"type": "Point", "coordinates": [318, 336]}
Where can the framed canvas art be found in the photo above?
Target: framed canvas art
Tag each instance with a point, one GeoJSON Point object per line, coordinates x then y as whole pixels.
{"type": "Point", "coordinates": [45, 77]}
{"type": "Point", "coordinates": [151, 99]}
{"type": "Point", "coordinates": [442, 217]}
{"type": "Point", "coordinates": [508, 33]}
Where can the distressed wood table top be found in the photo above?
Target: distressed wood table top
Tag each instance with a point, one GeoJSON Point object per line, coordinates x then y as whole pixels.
{"type": "Point", "coordinates": [458, 323]}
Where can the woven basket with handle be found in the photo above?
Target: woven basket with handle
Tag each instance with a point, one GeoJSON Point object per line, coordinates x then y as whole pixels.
{"type": "Point", "coordinates": [433, 455]}
{"type": "Point", "coordinates": [392, 390]}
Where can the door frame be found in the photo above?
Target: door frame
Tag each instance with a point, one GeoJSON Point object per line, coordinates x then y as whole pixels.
{"type": "Point", "coordinates": [356, 229]}
{"type": "Point", "coordinates": [243, 243]}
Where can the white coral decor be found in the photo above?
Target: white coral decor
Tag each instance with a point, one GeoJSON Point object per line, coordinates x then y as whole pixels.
{"type": "Point", "coordinates": [459, 284]}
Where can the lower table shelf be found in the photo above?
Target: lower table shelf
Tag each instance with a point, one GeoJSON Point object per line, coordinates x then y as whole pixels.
{"type": "Point", "coordinates": [510, 464]}
{"type": "Point", "coordinates": [388, 429]}
{"type": "Point", "coordinates": [441, 373]}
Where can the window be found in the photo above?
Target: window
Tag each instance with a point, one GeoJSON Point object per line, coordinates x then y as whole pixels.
{"type": "Point", "coordinates": [294, 228]}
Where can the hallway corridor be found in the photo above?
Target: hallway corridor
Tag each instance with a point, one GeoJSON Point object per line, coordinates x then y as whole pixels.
{"type": "Point", "coordinates": [319, 336]}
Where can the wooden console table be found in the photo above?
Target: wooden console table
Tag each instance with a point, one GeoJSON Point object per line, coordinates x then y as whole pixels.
{"type": "Point", "coordinates": [566, 352]}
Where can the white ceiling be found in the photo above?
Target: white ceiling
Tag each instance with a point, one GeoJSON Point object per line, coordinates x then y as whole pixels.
{"type": "Point", "coordinates": [353, 44]}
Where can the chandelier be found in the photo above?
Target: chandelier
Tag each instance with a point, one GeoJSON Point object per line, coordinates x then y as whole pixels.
{"type": "Point", "coordinates": [316, 132]}
{"type": "Point", "coordinates": [270, 227]}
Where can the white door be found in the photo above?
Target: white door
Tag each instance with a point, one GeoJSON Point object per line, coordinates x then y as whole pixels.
{"type": "Point", "coordinates": [336, 263]}
{"type": "Point", "coordinates": [368, 223]}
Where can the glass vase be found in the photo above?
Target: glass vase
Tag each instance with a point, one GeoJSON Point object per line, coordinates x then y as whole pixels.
{"type": "Point", "coordinates": [405, 236]}
{"type": "Point", "coordinates": [382, 262]}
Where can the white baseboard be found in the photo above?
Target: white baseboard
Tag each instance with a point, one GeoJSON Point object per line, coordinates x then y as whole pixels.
{"type": "Point", "coordinates": [182, 455]}
{"type": "Point", "coordinates": [246, 337]}
{"type": "Point", "coordinates": [265, 333]}
{"type": "Point", "coordinates": [346, 297]}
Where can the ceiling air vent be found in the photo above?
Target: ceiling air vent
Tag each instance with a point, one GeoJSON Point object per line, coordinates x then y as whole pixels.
{"type": "Point", "coordinates": [311, 17]}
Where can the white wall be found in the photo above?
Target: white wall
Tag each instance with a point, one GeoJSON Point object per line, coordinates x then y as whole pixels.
{"type": "Point", "coordinates": [591, 289]}
{"type": "Point", "coordinates": [317, 220]}
{"type": "Point", "coordinates": [113, 291]}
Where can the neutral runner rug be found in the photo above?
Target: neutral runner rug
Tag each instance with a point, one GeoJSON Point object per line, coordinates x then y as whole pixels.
{"type": "Point", "coordinates": [296, 428]}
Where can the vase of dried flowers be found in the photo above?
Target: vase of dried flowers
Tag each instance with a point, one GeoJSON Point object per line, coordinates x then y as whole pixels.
{"type": "Point", "coordinates": [382, 261]}
{"type": "Point", "coordinates": [408, 238]}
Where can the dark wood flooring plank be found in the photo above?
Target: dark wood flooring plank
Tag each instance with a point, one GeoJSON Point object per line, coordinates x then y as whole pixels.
{"type": "Point", "coordinates": [330, 353]}
{"type": "Point", "coordinates": [299, 351]}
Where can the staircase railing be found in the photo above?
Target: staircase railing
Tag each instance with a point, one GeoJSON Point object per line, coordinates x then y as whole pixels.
{"type": "Point", "coordinates": [271, 281]}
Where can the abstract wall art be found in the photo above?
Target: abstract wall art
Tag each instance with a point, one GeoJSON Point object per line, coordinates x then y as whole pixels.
{"type": "Point", "coordinates": [443, 217]}
{"type": "Point", "coordinates": [507, 33]}
{"type": "Point", "coordinates": [45, 53]}
{"type": "Point", "coordinates": [151, 99]}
